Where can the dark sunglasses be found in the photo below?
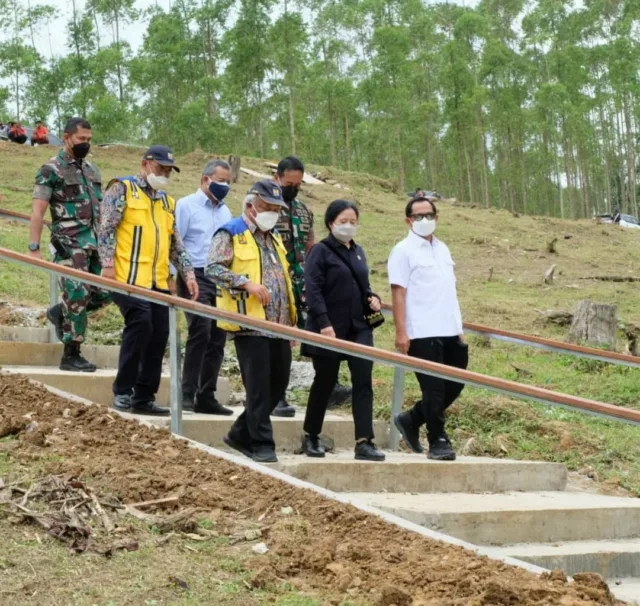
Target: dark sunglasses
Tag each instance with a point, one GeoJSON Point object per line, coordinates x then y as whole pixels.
{"type": "Point", "coordinates": [428, 216]}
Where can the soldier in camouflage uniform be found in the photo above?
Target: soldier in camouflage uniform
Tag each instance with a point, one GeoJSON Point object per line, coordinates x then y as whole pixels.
{"type": "Point", "coordinates": [295, 226]}
{"type": "Point", "coordinates": [71, 188]}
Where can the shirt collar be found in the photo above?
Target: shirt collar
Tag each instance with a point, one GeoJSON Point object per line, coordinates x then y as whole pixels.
{"type": "Point", "coordinates": [65, 156]}
{"type": "Point", "coordinates": [420, 241]}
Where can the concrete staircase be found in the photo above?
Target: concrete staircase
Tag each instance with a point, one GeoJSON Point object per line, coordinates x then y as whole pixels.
{"type": "Point", "coordinates": [520, 509]}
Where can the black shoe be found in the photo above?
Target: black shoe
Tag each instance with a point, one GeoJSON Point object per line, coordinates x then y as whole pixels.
{"type": "Point", "coordinates": [367, 451]}
{"type": "Point", "coordinates": [56, 317]}
{"type": "Point", "coordinates": [122, 402]}
{"type": "Point", "coordinates": [339, 396]}
{"type": "Point", "coordinates": [265, 456]}
{"type": "Point", "coordinates": [211, 407]}
{"type": "Point", "coordinates": [283, 409]}
{"type": "Point", "coordinates": [73, 361]}
{"type": "Point", "coordinates": [149, 408]}
{"type": "Point", "coordinates": [188, 405]}
{"type": "Point", "coordinates": [231, 443]}
{"type": "Point", "coordinates": [440, 450]}
{"type": "Point", "coordinates": [408, 430]}
{"type": "Point", "coordinates": [312, 447]}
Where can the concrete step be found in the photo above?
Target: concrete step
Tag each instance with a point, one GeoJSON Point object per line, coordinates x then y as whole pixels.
{"type": "Point", "coordinates": [17, 353]}
{"type": "Point", "coordinates": [611, 559]}
{"type": "Point", "coordinates": [96, 386]}
{"type": "Point", "coordinates": [26, 334]}
{"type": "Point", "coordinates": [627, 589]}
{"type": "Point", "coordinates": [403, 472]}
{"type": "Point", "coordinates": [516, 517]}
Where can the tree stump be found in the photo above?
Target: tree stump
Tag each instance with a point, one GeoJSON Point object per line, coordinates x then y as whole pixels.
{"type": "Point", "coordinates": [594, 323]}
{"type": "Point", "coordinates": [234, 162]}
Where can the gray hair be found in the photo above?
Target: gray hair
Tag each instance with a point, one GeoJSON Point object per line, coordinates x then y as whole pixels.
{"type": "Point", "coordinates": [249, 199]}
{"type": "Point", "coordinates": [212, 165]}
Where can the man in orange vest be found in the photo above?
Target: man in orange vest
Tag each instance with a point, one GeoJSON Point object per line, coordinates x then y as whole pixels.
{"type": "Point", "coordinates": [16, 133]}
{"type": "Point", "coordinates": [40, 135]}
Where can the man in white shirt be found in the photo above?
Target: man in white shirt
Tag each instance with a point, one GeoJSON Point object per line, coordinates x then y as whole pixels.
{"type": "Point", "coordinates": [428, 323]}
{"type": "Point", "coordinates": [198, 218]}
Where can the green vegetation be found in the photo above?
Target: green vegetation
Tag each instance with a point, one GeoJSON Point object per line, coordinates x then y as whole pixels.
{"type": "Point", "coordinates": [531, 106]}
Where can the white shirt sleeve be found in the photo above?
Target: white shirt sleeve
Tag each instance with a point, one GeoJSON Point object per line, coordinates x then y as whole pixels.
{"type": "Point", "coordinates": [398, 267]}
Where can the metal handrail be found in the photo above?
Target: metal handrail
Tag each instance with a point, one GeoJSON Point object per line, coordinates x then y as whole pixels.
{"type": "Point", "coordinates": [508, 336]}
{"type": "Point", "coordinates": [401, 362]}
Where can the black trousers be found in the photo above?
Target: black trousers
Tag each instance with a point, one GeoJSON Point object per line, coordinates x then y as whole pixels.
{"type": "Point", "coordinates": [437, 394]}
{"type": "Point", "coordinates": [144, 340]}
{"type": "Point", "coordinates": [265, 366]}
{"type": "Point", "coordinates": [204, 351]}
{"type": "Point", "coordinates": [327, 368]}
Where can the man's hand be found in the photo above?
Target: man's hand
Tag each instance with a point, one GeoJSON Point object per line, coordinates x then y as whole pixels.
{"type": "Point", "coordinates": [402, 343]}
{"type": "Point", "coordinates": [192, 285]}
{"type": "Point", "coordinates": [260, 291]}
{"type": "Point", "coordinates": [328, 332]}
{"type": "Point", "coordinates": [374, 303]}
{"type": "Point", "coordinates": [108, 272]}
{"type": "Point", "coordinates": [35, 254]}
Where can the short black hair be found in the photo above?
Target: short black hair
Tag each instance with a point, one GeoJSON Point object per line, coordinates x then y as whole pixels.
{"type": "Point", "coordinates": [289, 163]}
{"type": "Point", "coordinates": [74, 124]}
{"type": "Point", "coordinates": [408, 211]}
{"type": "Point", "coordinates": [337, 207]}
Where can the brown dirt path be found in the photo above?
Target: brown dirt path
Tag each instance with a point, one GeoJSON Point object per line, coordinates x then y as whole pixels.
{"type": "Point", "coordinates": [323, 545]}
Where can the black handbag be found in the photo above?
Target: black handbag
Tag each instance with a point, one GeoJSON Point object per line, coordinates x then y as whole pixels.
{"type": "Point", "coordinates": [371, 317]}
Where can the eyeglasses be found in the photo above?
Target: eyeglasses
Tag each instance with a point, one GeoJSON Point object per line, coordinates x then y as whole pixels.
{"type": "Point", "coordinates": [428, 216]}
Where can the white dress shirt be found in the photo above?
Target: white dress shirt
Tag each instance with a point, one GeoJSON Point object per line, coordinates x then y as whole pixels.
{"type": "Point", "coordinates": [197, 219]}
{"type": "Point", "coordinates": [425, 269]}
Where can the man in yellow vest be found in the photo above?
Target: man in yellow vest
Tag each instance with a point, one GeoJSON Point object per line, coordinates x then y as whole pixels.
{"type": "Point", "coordinates": [137, 241]}
{"type": "Point", "coordinates": [248, 262]}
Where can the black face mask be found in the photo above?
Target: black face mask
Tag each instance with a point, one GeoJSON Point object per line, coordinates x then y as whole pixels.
{"type": "Point", "coordinates": [81, 150]}
{"type": "Point", "coordinates": [289, 192]}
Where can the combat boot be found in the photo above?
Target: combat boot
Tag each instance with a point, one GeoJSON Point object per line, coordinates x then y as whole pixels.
{"type": "Point", "coordinates": [55, 316]}
{"type": "Point", "coordinates": [73, 361]}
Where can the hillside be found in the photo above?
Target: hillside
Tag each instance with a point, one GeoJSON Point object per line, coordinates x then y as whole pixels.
{"type": "Point", "coordinates": [500, 262]}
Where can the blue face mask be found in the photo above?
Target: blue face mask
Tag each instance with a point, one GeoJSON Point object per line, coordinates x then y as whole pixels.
{"type": "Point", "coordinates": [219, 190]}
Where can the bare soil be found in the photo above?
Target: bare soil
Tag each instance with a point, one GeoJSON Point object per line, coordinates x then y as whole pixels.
{"type": "Point", "coordinates": [322, 545]}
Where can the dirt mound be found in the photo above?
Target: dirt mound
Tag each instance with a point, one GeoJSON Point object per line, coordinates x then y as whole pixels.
{"type": "Point", "coordinates": [320, 544]}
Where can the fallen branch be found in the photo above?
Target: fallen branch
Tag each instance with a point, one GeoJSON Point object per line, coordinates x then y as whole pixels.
{"type": "Point", "coordinates": [613, 278]}
{"type": "Point", "coordinates": [154, 502]}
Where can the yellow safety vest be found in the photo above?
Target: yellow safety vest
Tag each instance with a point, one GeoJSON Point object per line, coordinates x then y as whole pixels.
{"type": "Point", "coordinates": [143, 238]}
{"type": "Point", "coordinates": [247, 261]}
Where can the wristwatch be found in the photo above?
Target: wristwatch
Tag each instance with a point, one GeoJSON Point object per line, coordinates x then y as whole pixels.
{"type": "Point", "coordinates": [33, 246]}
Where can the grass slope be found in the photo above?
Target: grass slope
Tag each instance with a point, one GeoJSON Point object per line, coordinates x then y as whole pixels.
{"type": "Point", "coordinates": [483, 242]}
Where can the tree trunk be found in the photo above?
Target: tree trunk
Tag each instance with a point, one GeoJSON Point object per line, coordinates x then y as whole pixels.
{"type": "Point", "coordinates": [631, 156]}
{"type": "Point", "coordinates": [292, 121]}
{"type": "Point", "coordinates": [118, 66]}
{"type": "Point", "coordinates": [234, 162]}
{"type": "Point", "coordinates": [347, 141]}
{"type": "Point", "coordinates": [594, 323]}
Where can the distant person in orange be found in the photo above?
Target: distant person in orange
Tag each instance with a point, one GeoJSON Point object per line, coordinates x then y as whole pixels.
{"type": "Point", "coordinates": [40, 134]}
{"type": "Point", "coordinates": [17, 133]}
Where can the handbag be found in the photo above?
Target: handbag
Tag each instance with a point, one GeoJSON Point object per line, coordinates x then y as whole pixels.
{"type": "Point", "coordinates": [371, 317]}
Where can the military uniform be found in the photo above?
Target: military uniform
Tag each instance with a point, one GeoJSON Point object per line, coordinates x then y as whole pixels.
{"type": "Point", "coordinates": [295, 226]}
{"type": "Point", "coordinates": [73, 189]}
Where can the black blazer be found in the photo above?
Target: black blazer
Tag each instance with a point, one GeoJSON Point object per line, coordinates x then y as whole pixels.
{"type": "Point", "coordinates": [333, 296]}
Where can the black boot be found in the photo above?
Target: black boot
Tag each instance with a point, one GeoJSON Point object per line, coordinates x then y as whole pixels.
{"type": "Point", "coordinates": [73, 361]}
{"type": "Point", "coordinates": [312, 447]}
{"type": "Point", "coordinates": [56, 317]}
{"type": "Point", "coordinates": [409, 431]}
{"type": "Point", "coordinates": [122, 402]}
{"type": "Point", "coordinates": [188, 403]}
{"type": "Point", "coordinates": [441, 450]}
{"type": "Point", "coordinates": [368, 451]}
{"type": "Point", "coordinates": [339, 396]}
{"type": "Point", "coordinates": [211, 406]}
{"type": "Point", "coordinates": [283, 409]}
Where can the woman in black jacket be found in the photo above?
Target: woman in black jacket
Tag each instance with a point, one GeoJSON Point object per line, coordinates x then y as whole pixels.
{"type": "Point", "coordinates": [336, 307]}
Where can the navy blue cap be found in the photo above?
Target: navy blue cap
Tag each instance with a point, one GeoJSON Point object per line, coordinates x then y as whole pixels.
{"type": "Point", "coordinates": [162, 155]}
{"type": "Point", "coordinates": [269, 191]}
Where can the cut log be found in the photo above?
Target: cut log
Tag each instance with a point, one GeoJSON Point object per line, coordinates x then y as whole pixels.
{"type": "Point", "coordinates": [551, 246]}
{"type": "Point", "coordinates": [234, 162]}
{"type": "Point", "coordinates": [594, 323]}
{"type": "Point", "coordinates": [548, 275]}
{"type": "Point", "coordinates": [254, 173]}
{"type": "Point", "coordinates": [556, 316]}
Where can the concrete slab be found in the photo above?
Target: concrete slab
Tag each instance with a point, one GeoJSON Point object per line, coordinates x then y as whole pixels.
{"type": "Point", "coordinates": [24, 333]}
{"type": "Point", "coordinates": [288, 433]}
{"type": "Point", "coordinates": [619, 558]}
{"type": "Point", "coordinates": [16, 353]}
{"type": "Point", "coordinates": [516, 517]}
{"type": "Point", "coordinates": [403, 472]}
{"type": "Point", "coordinates": [96, 386]}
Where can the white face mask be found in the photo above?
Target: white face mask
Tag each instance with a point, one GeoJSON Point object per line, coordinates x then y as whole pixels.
{"type": "Point", "coordinates": [344, 232]}
{"type": "Point", "coordinates": [157, 182]}
{"type": "Point", "coordinates": [266, 220]}
{"type": "Point", "coordinates": [424, 227]}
